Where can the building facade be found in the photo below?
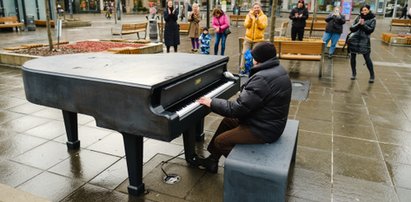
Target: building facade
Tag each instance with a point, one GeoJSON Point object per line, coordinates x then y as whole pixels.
{"type": "Point", "coordinates": [36, 8]}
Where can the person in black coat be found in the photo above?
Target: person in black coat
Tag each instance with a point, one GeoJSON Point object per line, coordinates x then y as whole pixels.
{"type": "Point", "coordinates": [404, 12]}
{"type": "Point", "coordinates": [171, 28]}
{"type": "Point", "coordinates": [333, 30]}
{"type": "Point", "coordinates": [260, 112]}
{"type": "Point", "coordinates": [359, 40]}
{"type": "Point", "coordinates": [298, 15]}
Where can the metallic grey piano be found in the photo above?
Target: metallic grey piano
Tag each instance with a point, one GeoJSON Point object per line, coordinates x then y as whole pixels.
{"type": "Point", "coordinates": [139, 96]}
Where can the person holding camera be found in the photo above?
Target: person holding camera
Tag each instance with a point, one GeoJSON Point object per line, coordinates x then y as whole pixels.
{"type": "Point", "coordinates": [255, 24]}
{"type": "Point", "coordinates": [359, 41]}
{"type": "Point", "coordinates": [333, 30]}
{"type": "Point", "coordinates": [298, 15]}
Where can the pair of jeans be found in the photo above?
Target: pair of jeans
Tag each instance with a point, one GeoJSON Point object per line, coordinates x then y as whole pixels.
{"type": "Point", "coordinates": [218, 37]}
{"type": "Point", "coordinates": [334, 37]}
{"type": "Point", "coordinates": [228, 134]}
{"type": "Point", "coordinates": [368, 61]}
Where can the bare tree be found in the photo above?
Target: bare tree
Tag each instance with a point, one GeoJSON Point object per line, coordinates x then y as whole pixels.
{"type": "Point", "coordinates": [115, 11]}
{"type": "Point", "coordinates": [48, 3]}
{"type": "Point", "coordinates": [273, 18]}
{"type": "Point", "coordinates": [314, 18]}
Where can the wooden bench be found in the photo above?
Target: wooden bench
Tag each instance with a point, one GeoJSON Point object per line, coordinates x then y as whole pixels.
{"type": "Point", "coordinates": [339, 51]}
{"type": "Point", "coordinates": [318, 26]}
{"type": "Point", "coordinates": [310, 50]}
{"type": "Point", "coordinates": [303, 50]}
{"type": "Point", "coordinates": [318, 18]}
{"type": "Point", "coordinates": [183, 26]}
{"type": "Point", "coordinates": [400, 23]}
{"type": "Point", "coordinates": [10, 22]}
{"type": "Point", "coordinates": [236, 18]}
{"type": "Point", "coordinates": [42, 23]}
{"type": "Point", "coordinates": [131, 28]}
{"type": "Point", "coordinates": [259, 172]}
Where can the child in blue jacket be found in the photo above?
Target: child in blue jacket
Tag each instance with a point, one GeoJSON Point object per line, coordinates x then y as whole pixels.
{"type": "Point", "coordinates": [205, 40]}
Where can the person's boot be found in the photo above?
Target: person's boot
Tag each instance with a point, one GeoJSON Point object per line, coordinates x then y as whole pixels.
{"type": "Point", "coordinates": [353, 77]}
{"type": "Point", "coordinates": [210, 163]}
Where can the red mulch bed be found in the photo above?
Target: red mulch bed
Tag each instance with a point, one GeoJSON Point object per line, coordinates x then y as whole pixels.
{"type": "Point", "coordinates": [79, 47]}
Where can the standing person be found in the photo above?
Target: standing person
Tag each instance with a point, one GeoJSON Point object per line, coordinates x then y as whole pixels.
{"type": "Point", "coordinates": [298, 15]}
{"type": "Point", "coordinates": [171, 29]}
{"type": "Point", "coordinates": [258, 115]}
{"type": "Point", "coordinates": [255, 24]}
{"type": "Point", "coordinates": [359, 40]}
{"type": "Point", "coordinates": [205, 39]}
{"type": "Point", "coordinates": [194, 31]}
{"type": "Point", "coordinates": [404, 12]}
{"type": "Point", "coordinates": [220, 24]}
{"type": "Point", "coordinates": [333, 30]}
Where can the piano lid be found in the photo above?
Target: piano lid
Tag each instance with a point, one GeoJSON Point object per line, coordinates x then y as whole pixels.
{"type": "Point", "coordinates": [135, 70]}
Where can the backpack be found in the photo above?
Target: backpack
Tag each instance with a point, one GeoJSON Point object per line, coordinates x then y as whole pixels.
{"type": "Point", "coordinates": [248, 62]}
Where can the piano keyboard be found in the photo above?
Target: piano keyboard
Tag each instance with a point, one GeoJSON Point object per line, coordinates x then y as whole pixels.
{"type": "Point", "coordinates": [183, 111]}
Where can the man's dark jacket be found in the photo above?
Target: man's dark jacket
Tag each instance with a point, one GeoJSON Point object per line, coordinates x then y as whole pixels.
{"type": "Point", "coordinates": [263, 103]}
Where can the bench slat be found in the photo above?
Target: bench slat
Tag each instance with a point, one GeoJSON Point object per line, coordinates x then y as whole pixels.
{"type": "Point", "coordinates": [300, 57]}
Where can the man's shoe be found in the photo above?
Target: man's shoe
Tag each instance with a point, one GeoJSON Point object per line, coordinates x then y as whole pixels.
{"type": "Point", "coordinates": [352, 77]}
{"type": "Point", "coordinates": [371, 80]}
{"type": "Point", "coordinates": [330, 56]}
{"type": "Point", "coordinates": [209, 163]}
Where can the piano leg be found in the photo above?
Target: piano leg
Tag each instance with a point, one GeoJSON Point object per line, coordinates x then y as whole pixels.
{"type": "Point", "coordinates": [189, 138]}
{"type": "Point", "coordinates": [133, 145]}
{"type": "Point", "coordinates": [70, 122]}
{"type": "Point", "coordinates": [200, 131]}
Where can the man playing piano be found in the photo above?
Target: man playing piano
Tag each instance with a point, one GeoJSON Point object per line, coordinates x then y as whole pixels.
{"type": "Point", "coordinates": [258, 115]}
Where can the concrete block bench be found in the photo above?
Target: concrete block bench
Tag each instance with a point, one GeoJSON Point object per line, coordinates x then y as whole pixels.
{"type": "Point", "coordinates": [259, 172]}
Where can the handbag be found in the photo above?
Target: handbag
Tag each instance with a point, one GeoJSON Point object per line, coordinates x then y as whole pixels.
{"type": "Point", "coordinates": [227, 31]}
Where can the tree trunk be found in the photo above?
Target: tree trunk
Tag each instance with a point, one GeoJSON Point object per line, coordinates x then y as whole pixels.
{"type": "Point", "coordinates": [314, 16]}
{"type": "Point", "coordinates": [273, 18]}
{"type": "Point", "coordinates": [115, 11]}
{"type": "Point", "coordinates": [47, 2]}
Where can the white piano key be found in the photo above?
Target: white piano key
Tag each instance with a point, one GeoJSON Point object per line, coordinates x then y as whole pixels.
{"type": "Point", "coordinates": [183, 111]}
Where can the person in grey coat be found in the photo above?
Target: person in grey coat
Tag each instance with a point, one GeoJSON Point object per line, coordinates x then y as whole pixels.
{"type": "Point", "coordinates": [260, 112]}
{"type": "Point", "coordinates": [171, 28]}
{"type": "Point", "coordinates": [359, 40]}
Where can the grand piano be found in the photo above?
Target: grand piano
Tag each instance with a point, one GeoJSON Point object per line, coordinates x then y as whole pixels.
{"type": "Point", "coordinates": [139, 96]}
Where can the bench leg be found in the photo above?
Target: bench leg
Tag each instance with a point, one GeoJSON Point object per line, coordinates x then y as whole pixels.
{"type": "Point", "coordinates": [295, 150]}
{"type": "Point", "coordinates": [320, 72]}
{"type": "Point", "coordinates": [138, 35]}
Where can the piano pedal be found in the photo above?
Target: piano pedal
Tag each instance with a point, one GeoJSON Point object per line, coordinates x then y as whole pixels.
{"type": "Point", "coordinates": [193, 162]}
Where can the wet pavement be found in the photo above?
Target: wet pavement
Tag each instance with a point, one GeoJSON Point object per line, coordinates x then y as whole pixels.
{"type": "Point", "coordinates": [354, 139]}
